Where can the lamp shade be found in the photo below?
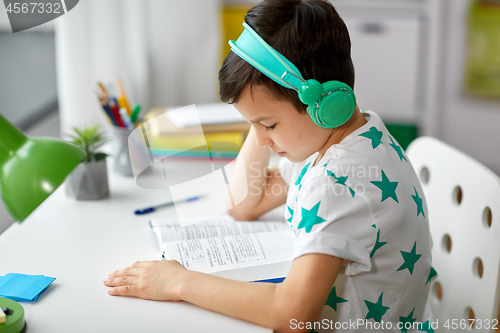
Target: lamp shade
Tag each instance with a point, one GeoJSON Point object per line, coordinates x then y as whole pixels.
{"type": "Point", "coordinates": [32, 168]}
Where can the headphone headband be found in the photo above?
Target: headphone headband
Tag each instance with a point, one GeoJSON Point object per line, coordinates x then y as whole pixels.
{"type": "Point", "coordinates": [254, 50]}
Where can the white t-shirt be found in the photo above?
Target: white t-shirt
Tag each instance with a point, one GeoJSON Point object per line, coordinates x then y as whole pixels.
{"type": "Point", "coordinates": [363, 203]}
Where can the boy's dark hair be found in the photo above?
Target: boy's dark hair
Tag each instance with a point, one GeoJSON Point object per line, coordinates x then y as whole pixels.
{"type": "Point", "coordinates": [309, 33]}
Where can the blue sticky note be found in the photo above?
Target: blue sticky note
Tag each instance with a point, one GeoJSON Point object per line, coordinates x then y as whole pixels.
{"type": "Point", "coordinates": [22, 287]}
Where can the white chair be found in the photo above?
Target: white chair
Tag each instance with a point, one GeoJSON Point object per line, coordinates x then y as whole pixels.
{"type": "Point", "coordinates": [463, 200]}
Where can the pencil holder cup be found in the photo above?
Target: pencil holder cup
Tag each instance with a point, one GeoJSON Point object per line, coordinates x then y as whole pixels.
{"type": "Point", "coordinates": [120, 154]}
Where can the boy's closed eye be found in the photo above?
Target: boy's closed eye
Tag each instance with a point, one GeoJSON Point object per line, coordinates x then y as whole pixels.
{"type": "Point", "coordinates": [268, 128]}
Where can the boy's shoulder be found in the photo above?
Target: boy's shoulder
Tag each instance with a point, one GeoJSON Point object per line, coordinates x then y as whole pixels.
{"type": "Point", "coordinates": [368, 154]}
{"type": "Point", "coordinates": [363, 154]}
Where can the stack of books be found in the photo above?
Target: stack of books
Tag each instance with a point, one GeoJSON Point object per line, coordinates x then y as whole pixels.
{"type": "Point", "coordinates": [203, 132]}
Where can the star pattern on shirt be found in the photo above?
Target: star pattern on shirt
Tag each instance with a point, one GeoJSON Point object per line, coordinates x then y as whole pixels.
{"type": "Point", "coordinates": [378, 244]}
{"type": "Point", "coordinates": [324, 165]}
{"type": "Point", "coordinates": [302, 173]}
{"type": "Point", "coordinates": [410, 259]}
{"type": "Point", "coordinates": [398, 149]}
{"type": "Point", "coordinates": [419, 202]}
{"type": "Point", "coordinates": [375, 135]}
{"type": "Point", "coordinates": [426, 327]}
{"type": "Point", "coordinates": [388, 188]}
{"type": "Point", "coordinates": [310, 218]}
{"type": "Point", "coordinates": [432, 274]}
{"type": "Point", "coordinates": [341, 180]}
{"type": "Point", "coordinates": [405, 320]}
{"type": "Point", "coordinates": [291, 215]}
{"type": "Point", "coordinates": [333, 299]}
{"type": "Point", "coordinates": [376, 310]}
{"type": "Point", "coordinates": [346, 253]}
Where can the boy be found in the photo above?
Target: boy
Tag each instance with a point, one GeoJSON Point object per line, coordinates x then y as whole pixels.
{"type": "Point", "coordinates": [362, 257]}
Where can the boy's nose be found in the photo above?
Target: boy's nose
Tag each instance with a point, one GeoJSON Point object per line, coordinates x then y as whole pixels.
{"type": "Point", "coordinates": [262, 140]}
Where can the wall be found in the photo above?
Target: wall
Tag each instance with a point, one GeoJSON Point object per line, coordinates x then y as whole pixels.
{"type": "Point", "coordinates": [468, 123]}
{"type": "Point", "coordinates": [166, 52]}
{"type": "Point", "coordinates": [28, 89]}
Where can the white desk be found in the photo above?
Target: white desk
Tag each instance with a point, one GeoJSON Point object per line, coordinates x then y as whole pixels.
{"type": "Point", "coordinates": [79, 243]}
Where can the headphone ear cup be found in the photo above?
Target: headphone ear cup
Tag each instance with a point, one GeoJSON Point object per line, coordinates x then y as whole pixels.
{"type": "Point", "coordinates": [335, 107]}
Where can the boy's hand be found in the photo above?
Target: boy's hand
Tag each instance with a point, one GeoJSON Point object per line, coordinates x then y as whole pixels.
{"type": "Point", "coordinates": [155, 280]}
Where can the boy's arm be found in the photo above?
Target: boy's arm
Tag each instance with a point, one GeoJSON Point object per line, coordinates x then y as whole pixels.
{"type": "Point", "coordinates": [299, 299]}
{"type": "Point", "coordinates": [266, 187]}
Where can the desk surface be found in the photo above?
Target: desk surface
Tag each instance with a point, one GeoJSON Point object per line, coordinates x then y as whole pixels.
{"type": "Point", "coordinates": [79, 243]}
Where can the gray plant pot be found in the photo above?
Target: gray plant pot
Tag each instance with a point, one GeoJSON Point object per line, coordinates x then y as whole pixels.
{"type": "Point", "coordinates": [88, 181]}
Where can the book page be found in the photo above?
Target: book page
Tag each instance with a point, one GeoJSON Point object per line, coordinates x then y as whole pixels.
{"type": "Point", "coordinates": [170, 230]}
{"type": "Point", "coordinates": [210, 255]}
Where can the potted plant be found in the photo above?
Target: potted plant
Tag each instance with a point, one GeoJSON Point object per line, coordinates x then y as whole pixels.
{"type": "Point", "coordinates": [89, 180]}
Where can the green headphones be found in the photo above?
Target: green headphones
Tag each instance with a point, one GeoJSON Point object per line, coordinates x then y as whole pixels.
{"type": "Point", "coordinates": [330, 104]}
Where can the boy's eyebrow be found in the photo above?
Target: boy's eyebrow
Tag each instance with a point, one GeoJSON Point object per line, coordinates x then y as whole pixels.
{"type": "Point", "coordinates": [258, 120]}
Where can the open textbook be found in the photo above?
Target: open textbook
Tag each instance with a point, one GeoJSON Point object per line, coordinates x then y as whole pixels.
{"type": "Point", "coordinates": [244, 251]}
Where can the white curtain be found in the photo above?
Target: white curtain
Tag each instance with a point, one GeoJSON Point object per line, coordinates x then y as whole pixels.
{"type": "Point", "coordinates": [166, 52]}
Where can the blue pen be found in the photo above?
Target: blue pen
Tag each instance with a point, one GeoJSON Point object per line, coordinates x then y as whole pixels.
{"type": "Point", "coordinates": [108, 111]}
{"type": "Point", "coordinates": [152, 209]}
{"type": "Point", "coordinates": [276, 280]}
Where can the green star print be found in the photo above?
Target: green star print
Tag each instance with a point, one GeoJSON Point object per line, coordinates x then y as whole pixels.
{"type": "Point", "coordinates": [408, 319]}
{"type": "Point", "coordinates": [397, 149]}
{"type": "Point", "coordinates": [376, 310]}
{"type": "Point", "coordinates": [346, 253]}
{"type": "Point", "coordinates": [419, 202]}
{"type": "Point", "coordinates": [378, 244]}
{"type": "Point", "coordinates": [291, 215]}
{"type": "Point", "coordinates": [375, 135]}
{"type": "Point", "coordinates": [302, 173]}
{"type": "Point", "coordinates": [310, 218]}
{"type": "Point", "coordinates": [341, 181]}
{"type": "Point", "coordinates": [333, 299]}
{"type": "Point", "coordinates": [410, 259]}
{"type": "Point", "coordinates": [388, 188]}
{"type": "Point", "coordinates": [426, 327]}
{"type": "Point", "coordinates": [432, 274]}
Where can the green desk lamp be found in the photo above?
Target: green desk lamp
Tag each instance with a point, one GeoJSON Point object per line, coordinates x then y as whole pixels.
{"type": "Point", "coordinates": [31, 169]}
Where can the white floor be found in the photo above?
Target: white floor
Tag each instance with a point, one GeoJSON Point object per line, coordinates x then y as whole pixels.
{"type": "Point", "coordinates": [48, 126]}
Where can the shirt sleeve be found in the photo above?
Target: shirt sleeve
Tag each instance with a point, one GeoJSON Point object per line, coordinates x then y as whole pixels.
{"type": "Point", "coordinates": [333, 219]}
{"type": "Point", "coordinates": [286, 168]}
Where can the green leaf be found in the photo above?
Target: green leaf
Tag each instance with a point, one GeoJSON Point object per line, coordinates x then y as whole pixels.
{"type": "Point", "coordinates": [89, 139]}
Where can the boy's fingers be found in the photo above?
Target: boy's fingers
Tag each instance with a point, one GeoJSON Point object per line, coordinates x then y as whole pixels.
{"type": "Point", "coordinates": [121, 281]}
{"type": "Point", "coordinates": [128, 290]}
{"type": "Point", "coordinates": [129, 271]}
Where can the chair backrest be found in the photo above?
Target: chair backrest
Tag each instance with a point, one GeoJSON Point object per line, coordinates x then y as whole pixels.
{"type": "Point", "coordinates": [463, 201]}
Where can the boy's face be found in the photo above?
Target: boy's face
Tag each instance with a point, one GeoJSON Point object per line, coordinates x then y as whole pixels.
{"type": "Point", "coordinates": [279, 125]}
